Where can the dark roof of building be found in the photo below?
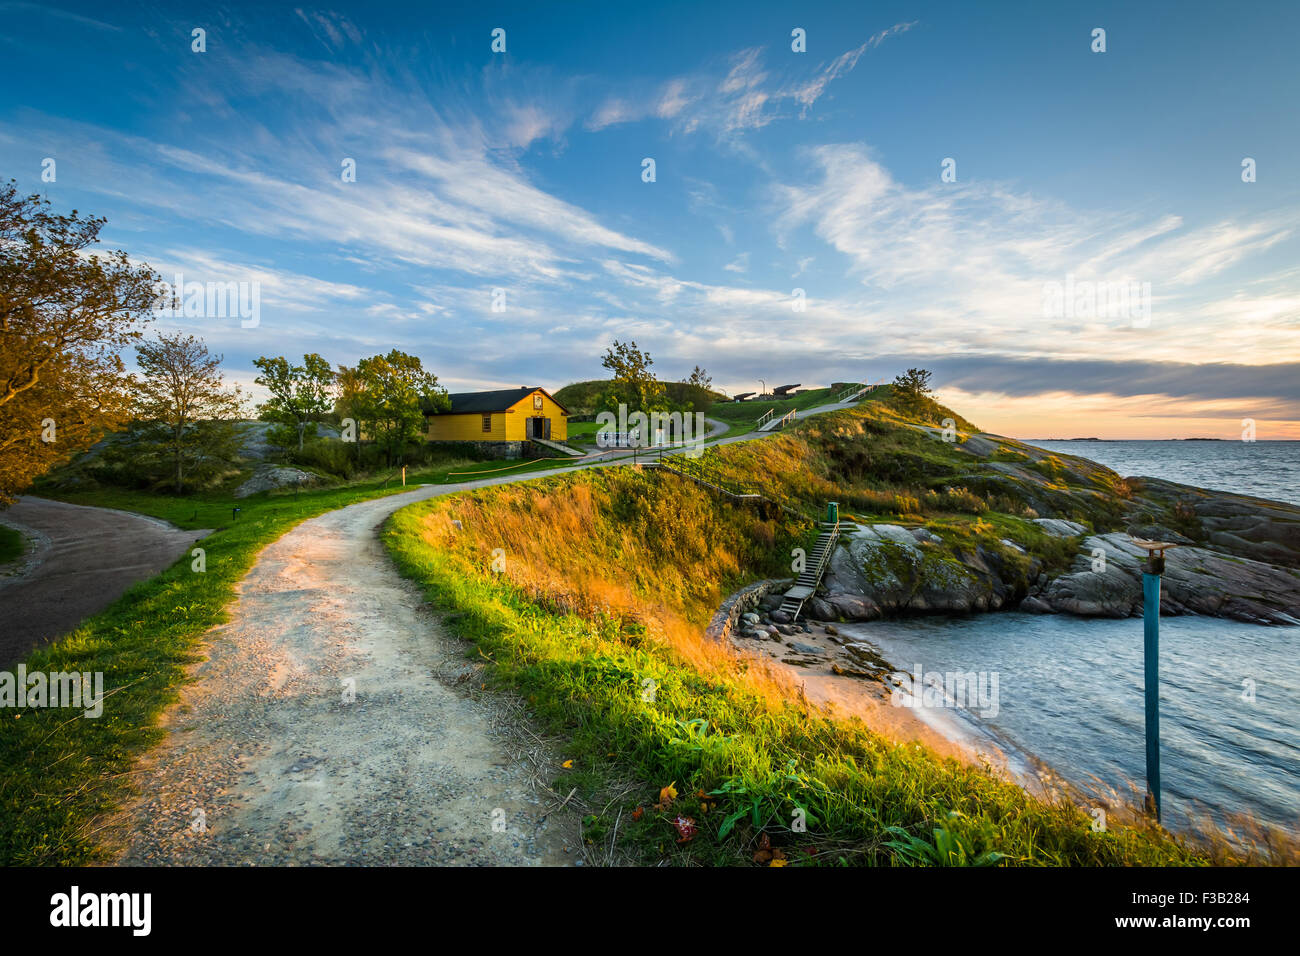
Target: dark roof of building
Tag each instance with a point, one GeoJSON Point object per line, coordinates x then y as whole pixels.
{"type": "Point", "coordinates": [470, 403]}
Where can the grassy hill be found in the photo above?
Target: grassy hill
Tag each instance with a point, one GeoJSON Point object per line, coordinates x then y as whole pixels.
{"type": "Point", "coordinates": [583, 398]}
{"type": "Point", "coordinates": [598, 617]}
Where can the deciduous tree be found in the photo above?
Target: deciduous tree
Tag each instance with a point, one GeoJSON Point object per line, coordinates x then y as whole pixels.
{"type": "Point", "coordinates": [915, 382]}
{"type": "Point", "coordinates": [184, 407]}
{"type": "Point", "coordinates": [634, 383]}
{"type": "Point", "coordinates": [391, 393]}
{"type": "Point", "coordinates": [301, 395]}
{"type": "Point", "coordinates": [65, 316]}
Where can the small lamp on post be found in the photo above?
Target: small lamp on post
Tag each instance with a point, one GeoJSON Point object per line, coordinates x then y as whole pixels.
{"type": "Point", "coordinates": [1151, 571]}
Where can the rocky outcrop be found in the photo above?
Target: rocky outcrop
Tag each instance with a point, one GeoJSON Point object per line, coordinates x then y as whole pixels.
{"type": "Point", "coordinates": [887, 568]}
{"type": "Point", "coordinates": [268, 477]}
{"type": "Point", "coordinates": [1240, 525]}
{"type": "Point", "coordinates": [1060, 528]}
{"type": "Point", "coordinates": [1106, 581]}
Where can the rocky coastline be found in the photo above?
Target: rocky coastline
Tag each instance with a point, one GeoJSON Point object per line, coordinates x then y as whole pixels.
{"type": "Point", "coordinates": [1237, 556]}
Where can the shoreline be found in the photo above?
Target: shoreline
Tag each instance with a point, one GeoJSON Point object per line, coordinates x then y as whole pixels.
{"type": "Point", "coordinates": [844, 672]}
{"type": "Point", "coordinates": [962, 726]}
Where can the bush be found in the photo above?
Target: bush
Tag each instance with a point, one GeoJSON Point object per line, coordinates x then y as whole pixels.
{"type": "Point", "coordinates": [330, 456]}
{"type": "Point", "coordinates": [959, 499]}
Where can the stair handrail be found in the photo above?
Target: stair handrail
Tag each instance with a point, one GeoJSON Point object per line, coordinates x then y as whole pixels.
{"type": "Point", "coordinates": [852, 390]}
{"type": "Point", "coordinates": [832, 530]}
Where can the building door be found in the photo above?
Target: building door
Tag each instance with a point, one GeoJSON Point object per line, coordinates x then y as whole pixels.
{"type": "Point", "coordinates": [541, 427]}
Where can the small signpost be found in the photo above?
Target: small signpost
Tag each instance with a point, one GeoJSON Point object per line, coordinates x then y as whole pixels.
{"type": "Point", "coordinates": [1151, 571]}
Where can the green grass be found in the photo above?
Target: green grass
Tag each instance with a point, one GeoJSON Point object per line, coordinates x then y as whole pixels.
{"type": "Point", "coordinates": [710, 732]}
{"type": "Point", "coordinates": [742, 762]}
{"type": "Point", "coordinates": [749, 411]}
{"type": "Point", "coordinates": [58, 774]}
{"type": "Point", "coordinates": [12, 544]}
{"type": "Point", "coordinates": [584, 398]}
{"type": "Point", "coordinates": [583, 432]}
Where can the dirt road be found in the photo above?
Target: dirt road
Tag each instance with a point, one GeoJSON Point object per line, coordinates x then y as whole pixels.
{"type": "Point", "coordinates": [83, 559]}
{"type": "Point", "coordinates": [266, 761]}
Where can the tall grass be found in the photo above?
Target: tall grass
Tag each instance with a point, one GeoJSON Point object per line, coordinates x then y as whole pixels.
{"type": "Point", "coordinates": [594, 614]}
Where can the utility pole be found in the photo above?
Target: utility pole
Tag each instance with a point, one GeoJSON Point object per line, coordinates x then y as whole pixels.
{"type": "Point", "coordinates": [1151, 571]}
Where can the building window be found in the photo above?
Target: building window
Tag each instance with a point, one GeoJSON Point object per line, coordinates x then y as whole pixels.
{"type": "Point", "coordinates": [537, 401]}
{"type": "Point", "coordinates": [487, 423]}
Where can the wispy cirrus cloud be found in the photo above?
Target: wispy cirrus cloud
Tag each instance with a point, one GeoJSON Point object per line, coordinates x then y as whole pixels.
{"type": "Point", "coordinates": [968, 264]}
{"type": "Point", "coordinates": [745, 94]}
{"type": "Point", "coordinates": [479, 174]}
{"type": "Point", "coordinates": [811, 91]}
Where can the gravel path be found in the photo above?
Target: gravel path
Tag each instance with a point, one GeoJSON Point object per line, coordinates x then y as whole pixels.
{"type": "Point", "coordinates": [266, 762]}
{"type": "Point", "coordinates": [81, 561]}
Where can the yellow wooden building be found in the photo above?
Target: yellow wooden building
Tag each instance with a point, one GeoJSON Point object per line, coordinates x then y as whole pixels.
{"type": "Point", "coordinates": [505, 415]}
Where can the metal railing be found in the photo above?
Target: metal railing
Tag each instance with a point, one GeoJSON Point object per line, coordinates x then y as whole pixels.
{"type": "Point", "coordinates": [811, 577]}
{"type": "Point", "coordinates": [857, 391]}
{"type": "Point", "coordinates": [702, 473]}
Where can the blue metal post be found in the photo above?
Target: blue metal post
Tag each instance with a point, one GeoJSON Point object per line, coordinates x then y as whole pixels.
{"type": "Point", "coordinates": [1151, 653]}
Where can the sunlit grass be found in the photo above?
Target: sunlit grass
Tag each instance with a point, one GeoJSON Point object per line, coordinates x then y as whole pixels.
{"type": "Point", "coordinates": [607, 580]}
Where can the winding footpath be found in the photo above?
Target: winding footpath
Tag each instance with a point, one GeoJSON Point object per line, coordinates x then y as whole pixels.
{"type": "Point", "coordinates": [335, 722]}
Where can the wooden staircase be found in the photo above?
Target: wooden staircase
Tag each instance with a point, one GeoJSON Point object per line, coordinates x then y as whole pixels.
{"type": "Point", "coordinates": [805, 586]}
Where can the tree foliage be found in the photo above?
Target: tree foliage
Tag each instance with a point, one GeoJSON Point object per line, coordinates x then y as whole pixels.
{"type": "Point", "coordinates": [388, 396]}
{"type": "Point", "coordinates": [697, 391]}
{"type": "Point", "coordinates": [915, 382]}
{"type": "Point", "coordinates": [65, 316]}
{"type": "Point", "coordinates": [699, 378]}
{"type": "Point", "coordinates": [186, 414]}
{"type": "Point", "coordinates": [634, 383]}
{"type": "Point", "coordinates": [301, 395]}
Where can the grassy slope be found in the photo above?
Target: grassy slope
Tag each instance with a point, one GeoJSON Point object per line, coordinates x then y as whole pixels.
{"type": "Point", "coordinates": [583, 398]}
{"type": "Point", "coordinates": [59, 774]}
{"type": "Point", "coordinates": [609, 579]}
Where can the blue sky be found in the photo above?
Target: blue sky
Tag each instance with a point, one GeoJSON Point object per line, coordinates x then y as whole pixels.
{"type": "Point", "coordinates": [775, 171]}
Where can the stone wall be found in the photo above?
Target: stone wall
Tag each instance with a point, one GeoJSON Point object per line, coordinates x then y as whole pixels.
{"type": "Point", "coordinates": [487, 449]}
{"type": "Point", "coordinates": [745, 599]}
